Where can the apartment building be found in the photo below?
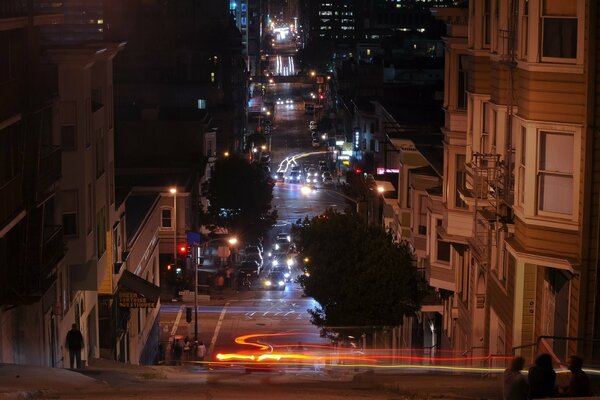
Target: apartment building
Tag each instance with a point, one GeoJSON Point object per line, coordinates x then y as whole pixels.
{"type": "Point", "coordinates": [31, 238]}
{"type": "Point", "coordinates": [87, 191]}
{"type": "Point", "coordinates": [517, 210]}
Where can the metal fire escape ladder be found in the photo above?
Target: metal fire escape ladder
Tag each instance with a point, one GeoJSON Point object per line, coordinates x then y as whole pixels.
{"type": "Point", "coordinates": [492, 174]}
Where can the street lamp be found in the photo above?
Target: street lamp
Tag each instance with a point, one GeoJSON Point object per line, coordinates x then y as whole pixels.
{"type": "Point", "coordinates": [380, 189]}
{"type": "Point", "coordinates": [173, 191]}
{"type": "Point", "coordinates": [232, 242]}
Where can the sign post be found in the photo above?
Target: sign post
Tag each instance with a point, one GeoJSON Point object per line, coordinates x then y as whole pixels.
{"type": "Point", "coordinates": [193, 240]}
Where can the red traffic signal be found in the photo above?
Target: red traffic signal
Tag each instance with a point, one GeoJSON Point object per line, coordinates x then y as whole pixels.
{"type": "Point", "coordinates": [182, 249]}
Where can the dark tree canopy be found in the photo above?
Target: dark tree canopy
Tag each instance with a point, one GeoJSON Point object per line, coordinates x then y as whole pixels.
{"type": "Point", "coordinates": [359, 277]}
{"type": "Point", "coordinates": [239, 195]}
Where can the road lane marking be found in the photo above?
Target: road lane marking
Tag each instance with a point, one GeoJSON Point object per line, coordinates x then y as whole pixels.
{"type": "Point", "coordinates": [217, 329]}
{"type": "Point", "coordinates": [176, 323]}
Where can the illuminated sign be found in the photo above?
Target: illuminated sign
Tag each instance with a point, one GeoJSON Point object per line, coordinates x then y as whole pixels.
{"type": "Point", "coordinates": [343, 157]}
{"type": "Point", "coordinates": [356, 139]}
{"type": "Point", "coordinates": [129, 299]}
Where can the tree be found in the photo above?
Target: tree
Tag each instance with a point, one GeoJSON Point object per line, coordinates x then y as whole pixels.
{"type": "Point", "coordinates": [357, 274]}
{"type": "Point", "coordinates": [239, 196]}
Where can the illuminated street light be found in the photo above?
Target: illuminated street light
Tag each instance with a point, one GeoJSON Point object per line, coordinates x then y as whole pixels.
{"type": "Point", "coordinates": [226, 154]}
{"type": "Point", "coordinates": [263, 147]}
{"type": "Point", "coordinates": [313, 73]}
{"type": "Point", "coordinates": [380, 189]}
{"type": "Point", "coordinates": [173, 191]}
{"type": "Point", "coordinates": [232, 241]}
{"type": "Point", "coordinates": [254, 149]}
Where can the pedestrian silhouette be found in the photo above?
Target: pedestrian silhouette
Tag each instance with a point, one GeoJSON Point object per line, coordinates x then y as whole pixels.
{"type": "Point", "coordinates": [515, 384]}
{"type": "Point", "coordinates": [177, 349]}
{"type": "Point", "coordinates": [579, 384]}
{"type": "Point", "coordinates": [74, 343]}
{"type": "Point", "coordinates": [201, 351]}
{"type": "Point", "coordinates": [542, 378]}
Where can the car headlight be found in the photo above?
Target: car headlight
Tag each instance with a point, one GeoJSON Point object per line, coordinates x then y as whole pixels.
{"type": "Point", "coordinates": [267, 283]}
{"type": "Point", "coordinates": [281, 283]}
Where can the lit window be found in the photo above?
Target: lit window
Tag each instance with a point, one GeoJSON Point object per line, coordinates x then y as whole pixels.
{"type": "Point", "coordinates": [212, 76]}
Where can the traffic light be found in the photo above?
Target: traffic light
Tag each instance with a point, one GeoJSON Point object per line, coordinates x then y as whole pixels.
{"type": "Point", "coordinates": [188, 314]}
{"type": "Point", "coordinates": [182, 250]}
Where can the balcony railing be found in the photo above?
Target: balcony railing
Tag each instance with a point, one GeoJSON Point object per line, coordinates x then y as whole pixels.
{"type": "Point", "coordinates": [49, 170]}
{"type": "Point", "coordinates": [11, 198]}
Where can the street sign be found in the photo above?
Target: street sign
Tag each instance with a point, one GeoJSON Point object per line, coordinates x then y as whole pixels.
{"type": "Point", "coordinates": [193, 238]}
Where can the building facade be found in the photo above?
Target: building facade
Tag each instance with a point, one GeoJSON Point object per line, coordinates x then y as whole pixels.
{"type": "Point", "coordinates": [87, 193]}
{"type": "Point", "coordinates": [516, 214]}
{"type": "Point", "coordinates": [31, 238]}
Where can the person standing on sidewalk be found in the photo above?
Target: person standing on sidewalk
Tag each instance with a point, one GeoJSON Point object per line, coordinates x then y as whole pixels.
{"type": "Point", "coordinates": [515, 384]}
{"type": "Point", "coordinates": [74, 343]}
{"type": "Point", "coordinates": [542, 378]}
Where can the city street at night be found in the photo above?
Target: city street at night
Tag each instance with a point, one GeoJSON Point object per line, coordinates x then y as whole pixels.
{"type": "Point", "coordinates": [299, 199]}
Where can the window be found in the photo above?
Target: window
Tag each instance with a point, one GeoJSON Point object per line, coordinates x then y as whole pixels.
{"type": "Point", "coordinates": [555, 173]}
{"type": "Point", "coordinates": [522, 165]}
{"type": "Point", "coordinates": [462, 83]}
{"type": "Point", "coordinates": [422, 227]}
{"type": "Point", "coordinates": [461, 181]}
{"type": "Point", "coordinates": [89, 213]}
{"type": "Point", "coordinates": [69, 213]}
{"type": "Point", "coordinates": [101, 232]}
{"type": "Point", "coordinates": [525, 29]}
{"type": "Point", "coordinates": [443, 251]}
{"type": "Point", "coordinates": [166, 219]}
{"type": "Point", "coordinates": [67, 137]}
{"type": "Point", "coordinates": [487, 23]}
{"type": "Point", "coordinates": [100, 155]}
{"type": "Point", "coordinates": [485, 128]}
{"type": "Point", "coordinates": [559, 29]}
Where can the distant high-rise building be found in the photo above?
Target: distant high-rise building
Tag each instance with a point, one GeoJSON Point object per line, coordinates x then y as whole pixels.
{"type": "Point", "coordinates": [84, 21]}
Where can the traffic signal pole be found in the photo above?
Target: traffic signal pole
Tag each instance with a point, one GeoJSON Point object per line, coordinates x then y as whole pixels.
{"type": "Point", "coordinates": [195, 266]}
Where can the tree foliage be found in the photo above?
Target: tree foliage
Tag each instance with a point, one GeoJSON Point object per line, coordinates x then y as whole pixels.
{"type": "Point", "coordinates": [357, 274]}
{"type": "Point", "coordinates": [239, 196]}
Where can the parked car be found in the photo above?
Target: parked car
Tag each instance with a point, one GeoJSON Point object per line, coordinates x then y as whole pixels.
{"type": "Point", "coordinates": [252, 249]}
{"type": "Point", "coordinates": [257, 257]}
{"type": "Point", "coordinates": [249, 267]}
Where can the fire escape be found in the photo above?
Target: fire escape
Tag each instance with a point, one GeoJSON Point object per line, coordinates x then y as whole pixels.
{"type": "Point", "coordinates": [490, 176]}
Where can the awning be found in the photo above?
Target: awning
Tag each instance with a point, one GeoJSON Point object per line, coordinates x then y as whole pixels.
{"type": "Point", "coordinates": [136, 292]}
{"type": "Point", "coordinates": [537, 258]}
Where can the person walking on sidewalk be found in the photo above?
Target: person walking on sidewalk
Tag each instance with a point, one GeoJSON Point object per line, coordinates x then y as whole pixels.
{"type": "Point", "coordinates": [74, 343]}
{"type": "Point", "coordinates": [200, 351]}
